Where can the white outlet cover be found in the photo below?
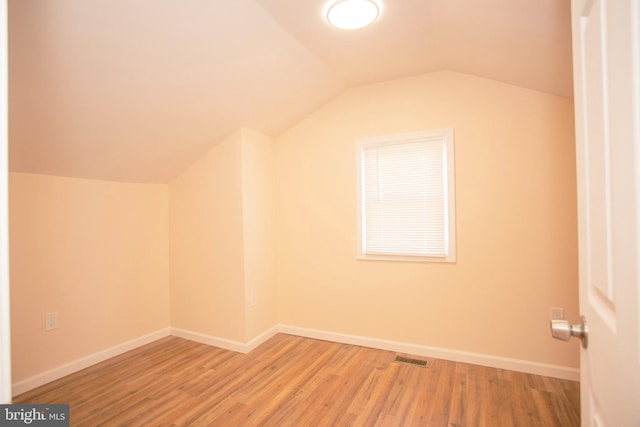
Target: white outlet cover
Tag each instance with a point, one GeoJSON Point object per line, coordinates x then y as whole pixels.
{"type": "Point", "coordinates": [51, 321]}
{"type": "Point", "coordinates": [557, 314]}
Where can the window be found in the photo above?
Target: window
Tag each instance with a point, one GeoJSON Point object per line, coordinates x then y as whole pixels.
{"type": "Point", "coordinates": [406, 193]}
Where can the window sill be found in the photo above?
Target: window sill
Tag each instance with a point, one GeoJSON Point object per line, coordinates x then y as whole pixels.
{"type": "Point", "coordinates": [404, 258]}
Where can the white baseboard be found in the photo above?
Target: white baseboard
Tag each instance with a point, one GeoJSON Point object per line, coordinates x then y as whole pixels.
{"type": "Point", "coordinates": [209, 340]}
{"type": "Point", "coordinates": [232, 345]}
{"type": "Point", "coordinates": [396, 346]}
{"type": "Point", "coordinates": [85, 362]}
{"type": "Point", "coordinates": [76, 365]}
{"type": "Point", "coordinates": [263, 337]}
{"type": "Point", "coordinates": [529, 367]}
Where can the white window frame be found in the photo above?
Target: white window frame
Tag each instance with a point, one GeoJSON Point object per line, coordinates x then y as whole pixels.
{"type": "Point", "coordinates": [444, 135]}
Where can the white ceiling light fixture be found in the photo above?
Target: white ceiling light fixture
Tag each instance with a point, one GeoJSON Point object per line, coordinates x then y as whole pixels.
{"type": "Point", "coordinates": [352, 14]}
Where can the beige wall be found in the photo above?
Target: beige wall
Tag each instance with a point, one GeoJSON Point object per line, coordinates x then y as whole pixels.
{"type": "Point", "coordinates": [103, 254]}
{"type": "Point", "coordinates": [119, 260]}
{"type": "Point", "coordinates": [259, 222]}
{"type": "Point", "coordinates": [207, 267]}
{"type": "Point", "coordinates": [95, 252]}
{"type": "Point", "coordinates": [516, 221]}
{"type": "Point", "coordinates": [222, 241]}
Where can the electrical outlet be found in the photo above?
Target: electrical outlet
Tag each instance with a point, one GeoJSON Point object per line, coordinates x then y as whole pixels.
{"type": "Point", "coordinates": [50, 321]}
{"type": "Point", "coordinates": [254, 298]}
{"type": "Point", "coordinates": [557, 314]}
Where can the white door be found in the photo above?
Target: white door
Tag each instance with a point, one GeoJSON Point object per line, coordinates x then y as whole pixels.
{"type": "Point", "coordinates": [5, 341]}
{"type": "Point", "coordinates": [606, 62]}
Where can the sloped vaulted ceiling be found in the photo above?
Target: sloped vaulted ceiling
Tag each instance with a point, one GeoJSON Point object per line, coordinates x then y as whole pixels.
{"type": "Point", "coordinates": [137, 90]}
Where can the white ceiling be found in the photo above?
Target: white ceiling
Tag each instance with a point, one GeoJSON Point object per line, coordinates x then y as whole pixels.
{"type": "Point", "coordinates": [137, 90]}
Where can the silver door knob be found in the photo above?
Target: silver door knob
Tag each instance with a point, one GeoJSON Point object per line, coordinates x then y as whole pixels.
{"type": "Point", "coordinates": [563, 330]}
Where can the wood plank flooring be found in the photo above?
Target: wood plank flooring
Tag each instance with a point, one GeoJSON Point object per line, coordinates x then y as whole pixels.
{"type": "Point", "coordinates": [294, 381]}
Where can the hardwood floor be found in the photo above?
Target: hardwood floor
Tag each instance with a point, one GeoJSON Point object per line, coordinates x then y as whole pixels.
{"type": "Point", "coordinates": [294, 381]}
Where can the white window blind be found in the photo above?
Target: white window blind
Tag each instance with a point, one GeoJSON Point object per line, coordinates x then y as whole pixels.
{"type": "Point", "coordinates": [405, 195]}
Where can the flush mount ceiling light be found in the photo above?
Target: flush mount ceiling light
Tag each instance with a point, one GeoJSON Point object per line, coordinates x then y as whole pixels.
{"type": "Point", "coordinates": [352, 14]}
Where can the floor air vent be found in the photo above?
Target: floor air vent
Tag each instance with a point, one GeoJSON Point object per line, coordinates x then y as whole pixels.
{"type": "Point", "coordinates": [418, 362]}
